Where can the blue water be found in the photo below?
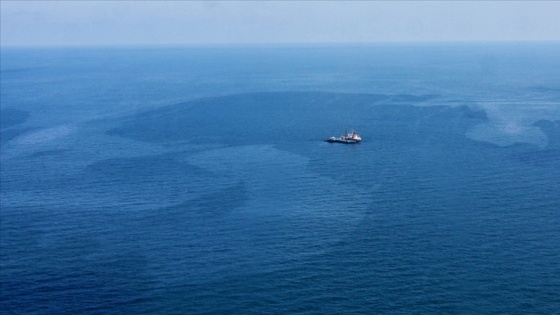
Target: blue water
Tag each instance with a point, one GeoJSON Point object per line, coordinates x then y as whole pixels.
{"type": "Point", "coordinates": [194, 180]}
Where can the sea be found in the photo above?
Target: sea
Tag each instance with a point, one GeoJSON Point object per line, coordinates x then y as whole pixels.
{"type": "Point", "coordinates": [196, 179]}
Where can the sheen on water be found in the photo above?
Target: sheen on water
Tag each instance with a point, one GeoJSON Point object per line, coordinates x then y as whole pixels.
{"type": "Point", "coordinates": [197, 180]}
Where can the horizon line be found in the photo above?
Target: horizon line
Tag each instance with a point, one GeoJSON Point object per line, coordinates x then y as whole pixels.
{"type": "Point", "coordinates": [279, 44]}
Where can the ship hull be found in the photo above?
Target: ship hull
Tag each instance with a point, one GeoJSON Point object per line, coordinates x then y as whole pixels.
{"type": "Point", "coordinates": [347, 141]}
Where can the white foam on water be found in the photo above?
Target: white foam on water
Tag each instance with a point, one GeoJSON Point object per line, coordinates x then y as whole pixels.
{"type": "Point", "coordinates": [35, 141]}
{"type": "Point", "coordinates": [513, 123]}
{"type": "Point", "coordinates": [43, 136]}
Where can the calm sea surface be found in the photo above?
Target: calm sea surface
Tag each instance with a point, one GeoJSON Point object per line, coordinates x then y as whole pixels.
{"type": "Point", "coordinates": [195, 180]}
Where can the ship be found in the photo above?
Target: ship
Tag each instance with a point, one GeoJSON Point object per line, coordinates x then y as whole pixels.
{"type": "Point", "coordinates": [351, 137]}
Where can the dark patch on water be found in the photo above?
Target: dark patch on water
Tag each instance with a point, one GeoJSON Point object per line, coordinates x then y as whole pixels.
{"type": "Point", "coordinates": [158, 179]}
{"type": "Point", "coordinates": [548, 157]}
{"type": "Point", "coordinates": [552, 131]}
{"type": "Point", "coordinates": [137, 168]}
{"type": "Point", "coordinates": [10, 117]}
{"type": "Point", "coordinates": [53, 153]}
{"type": "Point", "coordinates": [205, 207]}
{"type": "Point", "coordinates": [412, 98]}
{"type": "Point", "coordinates": [12, 133]}
{"type": "Point", "coordinates": [541, 158]}
{"type": "Point", "coordinates": [258, 117]}
{"type": "Point", "coordinates": [545, 89]}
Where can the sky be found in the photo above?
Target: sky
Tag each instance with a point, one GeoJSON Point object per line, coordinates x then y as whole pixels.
{"type": "Point", "coordinates": [52, 23]}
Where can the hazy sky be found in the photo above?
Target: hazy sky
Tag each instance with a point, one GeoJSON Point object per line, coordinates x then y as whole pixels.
{"type": "Point", "coordinates": [177, 22]}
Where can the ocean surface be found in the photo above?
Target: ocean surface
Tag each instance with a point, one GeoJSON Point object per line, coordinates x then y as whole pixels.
{"type": "Point", "coordinates": [195, 180]}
